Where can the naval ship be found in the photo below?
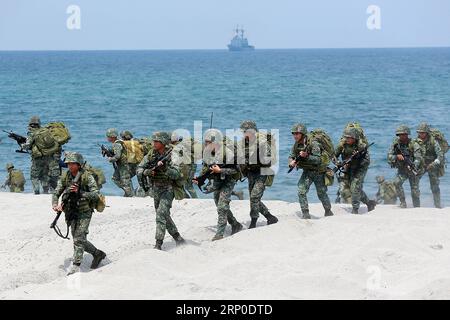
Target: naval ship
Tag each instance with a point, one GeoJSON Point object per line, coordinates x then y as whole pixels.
{"type": "Point", "coordinates": [239, 42]}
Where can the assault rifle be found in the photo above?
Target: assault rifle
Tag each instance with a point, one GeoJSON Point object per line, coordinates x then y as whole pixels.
{"type": "Point", "coordinates": [18, 138]}
{"type": "Point", "coordinates": [208, 175]}
{"type": "Point", "coordinates": [356, 155]}
{"type": "Point", "coordinates": [153, 166]}
{"type": "Point", "coordinates": [70, 200]}
{"type": "Point", "coordinates": [107, 153]}
{"type": "Point", "coordinates": [409, 164]}
{"type": "Point", "coordinates": [297, 159]}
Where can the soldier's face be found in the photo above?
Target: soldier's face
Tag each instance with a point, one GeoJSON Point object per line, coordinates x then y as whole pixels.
{"type": "Point", "coordinates": [297, 136]}
{"type": "Point", "coordinates": [111, 139]}
{"type": "Point", "coordinates": [350, 141]}
{"type": "Point", "coordinates": [423, 135]}
{"type": "Point", "coordinates": [73, 168]}
{"type": "Point", "coordinates": [403, 137]}
{"type": "Point", "coordinates": [158, 145]}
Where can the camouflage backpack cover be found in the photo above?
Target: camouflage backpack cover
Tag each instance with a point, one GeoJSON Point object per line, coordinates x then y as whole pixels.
{"type": "Point", "coordinates": [44, 143]}
{"type": "Point", "coordinates": [134, 151]}
{"type": "Point", "coordinates": [98, 174]}
{"type": "Point", "coordinates": [59, 132]}
{"type": "Point", "coordinates": [17, 178]}
{"type": "Point", "coordinates": [265, 137]}
{"type": "Point", "coordinates": [327, 149]}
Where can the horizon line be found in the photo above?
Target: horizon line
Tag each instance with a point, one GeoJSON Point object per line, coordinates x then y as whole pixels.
{"type": "Point", "coordinates": [224, 49]}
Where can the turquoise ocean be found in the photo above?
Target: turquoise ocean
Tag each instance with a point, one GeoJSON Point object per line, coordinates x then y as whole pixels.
{"type": "Point", "coordinates": [145, 91]}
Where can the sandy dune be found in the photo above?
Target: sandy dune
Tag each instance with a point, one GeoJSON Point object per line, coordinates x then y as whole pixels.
{"type": "Point", "coordinates": [387, 254]}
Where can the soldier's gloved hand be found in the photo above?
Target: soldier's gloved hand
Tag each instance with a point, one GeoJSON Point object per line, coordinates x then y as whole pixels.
{"type": "Point", "coordinates": [57, 207]}
{"type": "Point", "coordinates": [433, 165]}
{"type": "Point", "coordinates": [74, 188]}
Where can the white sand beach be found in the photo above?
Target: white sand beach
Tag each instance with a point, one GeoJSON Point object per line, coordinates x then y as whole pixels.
{"type": "Point", "coordinates": [386, 254]}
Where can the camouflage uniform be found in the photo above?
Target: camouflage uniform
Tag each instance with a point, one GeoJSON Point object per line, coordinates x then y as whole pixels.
{"type": "Point", "coordinates": [222, 184]}
{"type": "Point", "coordinates": [39, 172]}
{"type": "Point", "coordinates": [162, 186]}
{"type": "Point", "coordinates": [127, 136]}
{"type": "Point", "coordinates": [121, 176]}
{"type": "Point", "coordinates": [353, 178]}
{"type": "Point", "coordinates": [81, 213]}
{"type": "Point", "coordinates": [433, 159]}
{"type": "Point", "coordinates": [11, 181]}
{"type": "Point", "coordinates": [187, 162]}
{"type": "Point", "coordinates": [411, 150]}
{"type": "Point", "coordinates": [252, 169]}
{"type": "Point", "coordinates": [387, 192]}
{"type": "Point", "coordinates": [313, 171]}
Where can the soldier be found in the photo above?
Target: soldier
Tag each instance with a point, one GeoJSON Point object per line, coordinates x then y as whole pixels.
{"type": "Point", "coordinates": [433, 159]}
{"type": "Point", "coordinates": [121, 177]}
{"type": "Point", "coordinates": [78, 190]}
{"type": "Point", "coordinates": [163, 175]}
{"type": "Point", "coordinates": [186, 148]}
{"type": "Point", "coordinates": [405, 155]}
{"type": "Point", "coordinates": [387, 192]}
{"type": "Point", "coordinates": [253, 145]}
{"type": "Point", "coordinates": [355, 171]}
{"type": "Point", "coordinates": [39, 172]}
{"type": "Point", "coordinates": [314, 170]}
{"type": "Point", "coordinates": [15, 180]}
{"type": "Point", "coordinates": [223, 180]}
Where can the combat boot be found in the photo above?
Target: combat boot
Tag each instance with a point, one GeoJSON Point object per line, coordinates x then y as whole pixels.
{"type": "Point", "coordinates": [99, 255]}
{"type": "Point", "coordinates": [217, 237]}
{"type": "Point", "coordinates": [253, 223]}
{"type": "Point", "coordinates": [355, 211]}
{"type": "Point", "coordinates": [416, 202]}
{"type": "Point", "coordinates": [371, 205]}
{"type": "Point", "coordinates": [306, 215]}
{"type": "Point", "coordinates": [45, 190]}
{"type": "Point", "coordinates": [75, 269]}
{"type": "Point", "coordinates": [271, 219]}
{"type": "Point", "coordinates": [235, 228]}
{"type": "Point", "coordinates": [239, 194]}
{"type": "Point", "coordinates": [329, 213]}
{"type": "Point", "coordinates": [178, 239]}
{"type": "Point", "coordinates": [158, 245]}
{"type": "Point", "coordinates": [403, 204]}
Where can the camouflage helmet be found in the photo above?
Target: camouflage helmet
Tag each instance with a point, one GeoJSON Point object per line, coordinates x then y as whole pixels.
{"type": "Point", "coordinates": [162, 137]}
{"type": "Point", "coordinates": [248, 125]}
{"type": "Point", "coordinates": [73, 157]}
{"type": "Point", "coordinates": [423, 127]}
{"type": "Point", "coordinates": [9, 166]}
{"type": "Point", "coordinates": [112, 133]}
{"type": "Point", "coordinates": [126, 135]}
{"type": "Point", "coordinates": [299, 128]}
{"type": "Point", "coordinates": [35, 120]}
{"type": "Point", "coordinates": [380, 179]}
{"type": "Point", "coordinates": [350, 133]}
{"type": "Point", "coordinates": [403, 130]}
{"type": "Point", "coordinates": [213, 135]}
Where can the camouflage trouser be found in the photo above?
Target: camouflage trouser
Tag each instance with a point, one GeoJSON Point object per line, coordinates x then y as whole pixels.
{"type": "Point", "coordinates": [122, 179]}
{"type": "Point", "coordinates": [344, 193]}
{"type": "Point", "coordinates": [306, 180]}
{"type": "Point", "coordinates": [434, 185]}
{"type": "Point", "coordinates": [39, 173]}
{"type": "Point", "coordinates": [222, 198]}
{"type": "Point", "coordinates": [80, 230]}
{"type": "Point", "coordinates": [16, 189]}
{"type": "Point", "coordinates": [414, 184]}
{"type": "Point", "coordinates": [132, 167]}
{"type": "Point", "coordinates": [256, 187]}
{"type": "Point", "coordinates": [189, 186]}
{"type": "Point", "coordinates": [163, 198]}
{"type": "Point", "coordinates": [354, 182]}
{"type": "Point", "coordinates": [54, 171]}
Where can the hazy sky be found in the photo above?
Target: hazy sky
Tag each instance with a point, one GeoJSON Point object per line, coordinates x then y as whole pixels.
{"type": "Point", "coordinates": [208, 24]}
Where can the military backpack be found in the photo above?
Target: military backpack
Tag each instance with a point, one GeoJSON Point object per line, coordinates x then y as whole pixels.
{"type": "Point", "coordinates": [59, 132]}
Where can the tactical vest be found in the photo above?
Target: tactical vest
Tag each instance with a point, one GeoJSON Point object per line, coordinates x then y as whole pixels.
{"type": "Point", "coordinates": [322, 167]}
{"type": "Point", "coordinates": [83, 205]}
